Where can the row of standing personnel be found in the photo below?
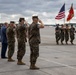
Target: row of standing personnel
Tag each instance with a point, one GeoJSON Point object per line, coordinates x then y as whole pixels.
{"type": "Point", "coordinates": [64, 33]}
{"type": "Point", "coordinates": [21, 32]}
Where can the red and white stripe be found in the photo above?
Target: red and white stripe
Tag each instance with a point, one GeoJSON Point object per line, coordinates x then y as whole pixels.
{"type": "Point", "coordinates": [60, 15]}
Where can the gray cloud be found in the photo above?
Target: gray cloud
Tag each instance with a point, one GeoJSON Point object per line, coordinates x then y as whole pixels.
{"type": "Point", "coordinates": [46, 9]}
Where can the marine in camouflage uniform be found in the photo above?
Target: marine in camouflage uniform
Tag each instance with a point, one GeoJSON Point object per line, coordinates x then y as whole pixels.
{"type": "Point", "coordinates": [72, 35]}
{"type": "Point", "coordinates": [57, 34]}
{"type": "Point", "coordinates": [34, 41]}
{"type": "Point", "coordinates": [66, 34]}
{"type": "Point", "coordinates": [62, 34]}
{"type": "Point", "coordinates": [11, 41]}
{"type": "Point", "coordinates": [21, 37]}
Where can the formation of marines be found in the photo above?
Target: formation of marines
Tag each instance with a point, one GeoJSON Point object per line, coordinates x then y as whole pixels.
{"type": "Point", "coordinates": [64, 33]}
{"type": "Point", "coordinates": [23, 31]}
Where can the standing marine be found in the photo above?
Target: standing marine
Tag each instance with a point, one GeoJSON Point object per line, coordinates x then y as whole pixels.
{"type": "Point", "coordinates": [57, 33]}
{"type": "Point", "coordinates": [66, 34]}
{"type": "Point", "coordinates": [21, 31]}
{"type": "Point", "coordinates": [34, 41]}
{"type": "Point", "coordinates": [72, 34]}
{"type": "Point", "coordinates": [62, 34]}
{"type": "Point", "coordinates": [11, 40]}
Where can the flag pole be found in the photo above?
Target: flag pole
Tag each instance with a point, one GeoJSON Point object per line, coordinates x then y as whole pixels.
{"type": "Point", "coordinates": [64, 20]}
{"type": "Point", "coordinates": [0, 17]}
{"type": "Point", "coordinates": [69, 22]}
{"type": "Point", "coordinates": [64, 17]}
{"type": "Point", "coordinates": [55, 22]}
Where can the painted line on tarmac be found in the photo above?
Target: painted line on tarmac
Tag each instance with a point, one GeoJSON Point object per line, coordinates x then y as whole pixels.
{"type": "Point", "coordinates": [58, 63]}
{"type": "Point", "coordinates": [55, 62]}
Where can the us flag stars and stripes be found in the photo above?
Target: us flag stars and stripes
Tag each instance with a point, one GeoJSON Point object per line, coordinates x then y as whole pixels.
{"type": "Point", "coordinates": [61, 13]}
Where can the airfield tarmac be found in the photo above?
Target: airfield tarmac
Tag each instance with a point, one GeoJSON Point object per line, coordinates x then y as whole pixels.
{"type": "Point", "coordinates": [53, 59]}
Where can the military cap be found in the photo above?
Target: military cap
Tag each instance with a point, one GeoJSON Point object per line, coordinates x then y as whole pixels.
{"type": "Point", "coordinates": [34, 17]}
{"type": "Point", "coordinates": [20, 19]}
{"type": "Point", "coordinates": [12, 22]}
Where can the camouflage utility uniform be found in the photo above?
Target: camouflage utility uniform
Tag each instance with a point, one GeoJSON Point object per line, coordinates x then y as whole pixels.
{"type": "Point", "coordinates": [11, 41]}
{"type": "Point", "coordinates": [34, 41]}
{"type": "Point", "coordinates": [57, 34]}
{"type": "Point", "coordinates": [72, 35]}
{"type": "Point", "coordinates": [21, 37]}
{"type": "Point", "coordinates": [66, 35]}
{"type": "Point", "coordinates": [62, 35]}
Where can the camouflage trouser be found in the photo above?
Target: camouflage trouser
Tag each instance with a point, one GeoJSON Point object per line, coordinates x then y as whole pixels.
{"type": "Point", "coordinates": [21, 50]}
{"type": "Point", "coordinates": [34, 53]}
{"type": "Point", "coordinates": [72, 37]}
{"type": "Point", "coordinates": [11, 46]}
{"type": "Point", "coordinates": [57, 36]}
{"type": "Point", "coordinates": [62, 37]}
{"type": "Point", "coordinates": [66, 37]}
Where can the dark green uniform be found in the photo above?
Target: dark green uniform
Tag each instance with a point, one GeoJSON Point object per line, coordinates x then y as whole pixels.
{"type": "Point", "coordinates": [57, 34]}
{"type": "Point", "coordinates": [66, 35]}
{"type": "Point", "coordinates": [72, 35]}
{"type": "Point", "coordinates": [34, 41]}
{"type": "Point", "coordinates": [21, 37]}
{"type": "Point", "coordinates": [11, 41]}
{"type": "Point", "coordinates": [62, 35]}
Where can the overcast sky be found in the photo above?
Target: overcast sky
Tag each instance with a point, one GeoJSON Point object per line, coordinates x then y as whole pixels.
{"type": "Point", "coordinates": [45, 9]}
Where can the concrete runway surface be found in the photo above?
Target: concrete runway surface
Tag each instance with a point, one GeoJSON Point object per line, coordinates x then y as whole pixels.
{"type": "Point", "coordinates": [53, 60]}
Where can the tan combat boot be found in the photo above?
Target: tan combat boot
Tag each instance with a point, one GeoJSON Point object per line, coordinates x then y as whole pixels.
{"type": "Point", "coordinates": [33, 67]}
{"type": "Point", "coordinates": [11, 60]}
{"type": "Point", "coordinates": [20, 63]}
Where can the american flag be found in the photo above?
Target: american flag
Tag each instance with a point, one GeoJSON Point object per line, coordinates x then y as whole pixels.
{"type": "Point", "coordinates": [61, 13]}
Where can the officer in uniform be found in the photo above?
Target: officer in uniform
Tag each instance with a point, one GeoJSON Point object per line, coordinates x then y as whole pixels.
{"type": "Point", "coordinates": [57, 33]}
{"type": "Point", "coordinates": [11, 40]}
{"type": "Point", "coordinates": [66, 34]}
{"type": "Point", "coordinates": [62, 34]}
{"type": "Point", "coordinates": [72, 35]}
{"type": "Point", "coordinates": [34, 40]}
{"type": "Point", "coordinates": [21, 31]}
